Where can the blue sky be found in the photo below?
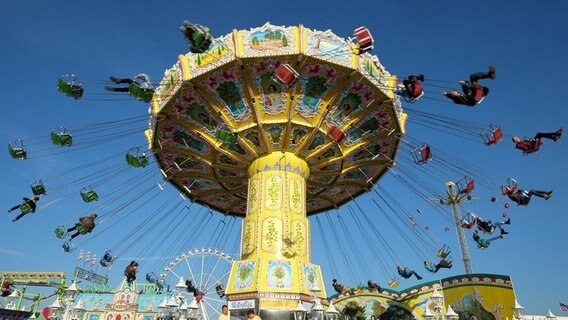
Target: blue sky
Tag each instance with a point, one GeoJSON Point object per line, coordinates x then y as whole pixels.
{"type": "Point", "coordinates": [446, 40]}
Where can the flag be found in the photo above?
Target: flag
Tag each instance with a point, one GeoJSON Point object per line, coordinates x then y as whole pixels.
{"type": "Point", "coordinates": [563, 307]}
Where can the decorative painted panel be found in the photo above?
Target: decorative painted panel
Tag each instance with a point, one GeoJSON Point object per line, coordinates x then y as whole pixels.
{"type": "Point", "coordinates": [254, 195]}
{"type": "Point", "coordinates": [350, 102]}
{"type": "Point", "coordinates": [228, 88]}
{"type": "Point", "coordinates": [271, 92]}
{"type": "Point", "coordinates": [244, 275]}
{"type": "Point", "coordinates": [177, 136]}
{"type": "Point", "coordinates": [271, 234]}
{"type": "Point", "coordinates": [279, 274]}
{"type": "Point", "coordinates": [316, 81]}
{"type": "Point", "coordinates": [219, 53]}
{"type": "Point", "coordinates": [299, 237]}
{"type": "Point", "coordinates": [296, 195]}
{"type": "Point", "coordinates": [373, 124]}
{"type": "Point", "coordinates": [327, 46]}
{"type": "Point", "coordinates": [194, 109]}
{"type": "Point", "coordinates": [249, 237]}
{"type": "Point", "coordinates": [268, 40]}
{"type": "Point", "coordinates": [273, 192]}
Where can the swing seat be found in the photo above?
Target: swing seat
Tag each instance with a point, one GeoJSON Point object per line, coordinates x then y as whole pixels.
{"type": "Point", "coordinates": [25, 208]}
{"type": "Point", "coordinates": [201, 38]}
{"type": "Point", "coordinates": [430, 267]}
{"type": "Point", "coordinates": [446, 263]}
{"type": "Point", "coordinates": [38, 188]}
{"type": "Point", "coordinates": [422, 154]}
{"type": "Point", "coordinates": [137, 158]}
{"type": "Point", "coordinates": [510, 188]}
{"type": "Point", "coordinates": [81, 228]}
{"type": "Point", "coordinates": [285, 74]}
{"type": "Point", "coordinates": [483, 244]}
{"type": "Point", "coordinates": [444, 251]}
{"type": "Point", "coordinates": [403, 93]}
{"type": "Point", "coordinates": [364, 39]}
{"type": "Point", "coordinates": [104, 263]}
{"type": "Point", "coordinates": [63, 138]}
{"type": "Point", "coordinates": [336, 134]}
{"type": "Point", "coordinates": [60, 232]}
{"type": "Point", "coordinates": [140, 93]}
{"type": "Point", "coordinates": [201, 44]}
{"type": "Point", "coordinates": [66, 85]}
{"type": "Point", "coordinates": [467, 224]}
{"type": "Point", "coordinates": [534, 146]}
{"type": "Point", "coordinates": [394, 282]}
{"type": "Point", "coordinates": [226, 136]}
{"type": "Point", "coordinates": [68, 246]}
{"type": "Point", "coordinates": [89, 195]}
{"type": "Point", "coordinates": [466, 186]}
{"type": "Point", "coordinates": [151, 277]}
{"type": "Point", "coordinates": [17, 150]}
{"type": "Point", "coordinates": [107, 259]}
{"type": "Point", "coordinates": [492, 135]}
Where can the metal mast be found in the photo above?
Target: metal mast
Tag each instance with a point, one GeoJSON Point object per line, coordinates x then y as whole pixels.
{"type": "Point", "coordinates": [453, 200]}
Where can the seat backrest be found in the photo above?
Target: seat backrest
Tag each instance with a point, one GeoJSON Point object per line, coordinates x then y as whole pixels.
{"type": "Point", "coordinates": [497, 135]}
{"type": "Point", "coordinates": [409, 99]}
{"type": "Point", "coordinates": [535, 144]}
{"type": "Point", "coordinates": [468, 187]}
{"type": "Point", "coordinates": [425, 153]}
{"type": "Point", "coordinates": [364, 39]}
{"type": "Point", "coordinates": [26, 207]}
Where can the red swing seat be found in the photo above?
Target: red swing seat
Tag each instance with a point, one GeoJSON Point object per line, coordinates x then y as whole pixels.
{"type": "Point", "coordinates": [285, 74]}
{"type": "Point", "coordinates": [364, 39]}
{"type": "Point", "coordinates": [492, 135]}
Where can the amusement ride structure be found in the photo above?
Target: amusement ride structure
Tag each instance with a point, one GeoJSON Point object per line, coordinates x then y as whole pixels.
{"type": "Point", "coordinates": [274, 124]}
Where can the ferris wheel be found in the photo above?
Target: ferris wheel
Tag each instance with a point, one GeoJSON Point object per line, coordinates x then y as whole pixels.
{"type": "Point", "coordinates": [200, 277]}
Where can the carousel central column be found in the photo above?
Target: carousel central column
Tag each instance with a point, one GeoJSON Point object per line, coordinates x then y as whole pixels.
{"type": "Point", "coordinates": [274, 270]}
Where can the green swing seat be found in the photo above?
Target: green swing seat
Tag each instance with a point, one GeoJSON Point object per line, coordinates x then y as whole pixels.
{"type": "Point", "coordinates": [89, 195]}
{"type": "Point", "coordinates": [226, 136]}
{"type": "Point", "coordinates": [62, 138]}
{"type": "Point", "coordinates": [140, 93]}
{"type": "Point", "coordinates": [38, 188]}
{"type": "Point", "coordinates": [81, 228]}
{"type": "Point", "coordinates": [137, 159]}
{"type": "Point", "coordinates": [70, 88]}
{"type": "Point", "coordinates": [25, 208]}
{"type": "Point", "coordinates": [60, 232]}
{"type": "Point", "coordinates": [202, 43]}
{"type": "Point", "coordinates": [201, 39]}
{"type": "Point", "coordinates": [17, 150]}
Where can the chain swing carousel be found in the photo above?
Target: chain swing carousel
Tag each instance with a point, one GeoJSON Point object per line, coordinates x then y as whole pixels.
{"type": "Point", "coordinates": [274, 124]}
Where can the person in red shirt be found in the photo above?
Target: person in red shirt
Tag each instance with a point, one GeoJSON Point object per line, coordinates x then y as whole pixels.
{"type": "Point", "coordinates": [533, 145]}
{"type": "Point", "coordinates": [473, 92]}
{"type": "Point", "coordinates": [411, 87]}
